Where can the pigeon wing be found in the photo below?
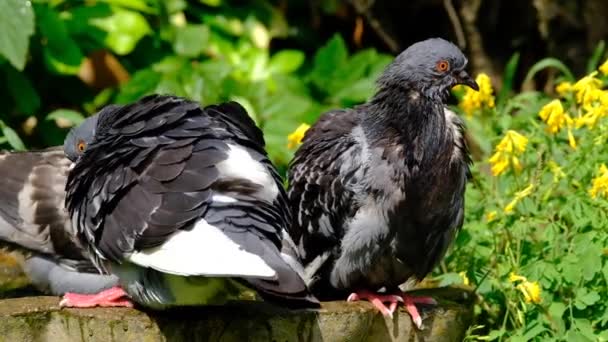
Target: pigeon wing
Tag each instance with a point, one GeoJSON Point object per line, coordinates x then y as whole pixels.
{"type": "Point", "coordinates": [183, 190]}
{"type": "Point", "coordinates": [319, 190]}
{"type": "Point", "coordinates": [32, 214]}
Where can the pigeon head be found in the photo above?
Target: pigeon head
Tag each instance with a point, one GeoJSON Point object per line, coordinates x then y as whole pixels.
{"type": "Point", "coordinates": [79, 138]}
{"type": "Point", "coordinates": [430, 67]}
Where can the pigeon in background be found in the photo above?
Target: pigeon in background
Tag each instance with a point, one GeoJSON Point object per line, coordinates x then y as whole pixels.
{"type": "Point", "coordinates": [33, 221]}
{"type": "Point", "coordinates": [377, 191]}
{"type": "Point", "coordinates": [182, 204]}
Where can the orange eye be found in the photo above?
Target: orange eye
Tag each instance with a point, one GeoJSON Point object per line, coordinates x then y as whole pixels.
{"type": "Point", "coordinates": [81, 146]}
{"type": "Point", "coordinates": [443, 66]}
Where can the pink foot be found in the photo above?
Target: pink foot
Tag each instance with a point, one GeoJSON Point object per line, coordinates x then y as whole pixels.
{"type": "Point", "coordinates": [112, 297]}
{"type": "Point", "coordinates": [377, 300]}
{"type": "Point", "coordinates": [410, 305]}
{"type": "Point", "coordinates": [408, 301]}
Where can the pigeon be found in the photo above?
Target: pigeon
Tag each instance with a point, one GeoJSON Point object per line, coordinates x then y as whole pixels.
{"type": "Point", "coordinates": [182, 204]}
{"type": "Point", "coordinates": [377, 191]}
{"type": "Point", "coordinates": [34, 222]}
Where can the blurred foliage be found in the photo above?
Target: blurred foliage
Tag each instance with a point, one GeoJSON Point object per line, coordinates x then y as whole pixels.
{"type": "Point", "coordinates": [533, 244]}
{"type": "Point", "coordinates": [83, 55]}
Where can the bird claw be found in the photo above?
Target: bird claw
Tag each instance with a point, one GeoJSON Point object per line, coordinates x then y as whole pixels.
{"type": "Point", "coordinates": [378, 300]}
{"type": "Point", "coordinates": [112, 297]}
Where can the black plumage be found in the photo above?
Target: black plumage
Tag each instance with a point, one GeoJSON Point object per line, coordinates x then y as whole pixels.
{"type": "Point", "coordinates": [377, 191]}
{"type": "Point", "coordinates": [161, 165]}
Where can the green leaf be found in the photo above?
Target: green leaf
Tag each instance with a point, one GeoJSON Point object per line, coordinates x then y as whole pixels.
{"type": "Point", "coordinates": [142, 83]}
{"type": "Point", "coordinates": [286, 61]}
{"type": "Point", "coordinates": [212, 3]}
{"type": "Point", "coordinates": [12, 137]}
{"type": "Point", "coordinates": [596, 57]}
{"type": "Point", "coordinates": [191, 40]}
{"type": "Point", "coordinates": [139, 5]}
{"type": "Point", "coordinates": [61, 53]}
{"type": "Point", "coordinates": [225, 24]}
{"type": "Point", "coordinates": [508, 77]}
{"type": "Point", "coordinates": [533, 331]}
{"type": "Point", "coordinates": [549, 63]}
{"type": "Point", "coordinates": [571, 270]}
{"type": "Point", "coordinates": [591, 260]}
{"type": "Point", "coordinates": [124, 28]}
{"type": "Point", "coordinates": [584, 298]}
{"type": "Point", "coordinates": [585, 328]}
{"type": "Point", "coordinates": [22, 91]}
{"type": "Point", "coordinates": [355, 69]}
{"type": "Point", "coordinates": [448, 279]}
{"type": "Point", "coordinates": [590, 298]}
{"type": "Point", "coordinates": [556, 310]}
{"type": "Point", "coordinates": [73, 117]}
{"type": "Point", "coordinates": [16, 27]}
{"type": "Point", "coordinates": [328, 59]}
{"type": "Point", "coordinates": [356, 92]}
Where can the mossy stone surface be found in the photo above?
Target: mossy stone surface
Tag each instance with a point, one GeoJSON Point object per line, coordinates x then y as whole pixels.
{"type": "Point", "coordinates": [41, 319]}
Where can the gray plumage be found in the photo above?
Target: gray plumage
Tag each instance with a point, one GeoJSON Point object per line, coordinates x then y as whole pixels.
{"type": "Point", "coordinates": [164, 168]}
{"type": "Point", "coordinates": [79, 137]}
{"type": "Point", "coordinates": [33, 220]}
{"type": "Point", "coordinates": [377, 191]}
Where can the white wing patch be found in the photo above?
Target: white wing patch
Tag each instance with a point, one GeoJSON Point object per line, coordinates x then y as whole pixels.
{"type": "Point", "coordinates": [240, 164]}
{"type": "Point", "coordinates": [223, 199]}
{"type": "Point", "coordinates": [203, 251]}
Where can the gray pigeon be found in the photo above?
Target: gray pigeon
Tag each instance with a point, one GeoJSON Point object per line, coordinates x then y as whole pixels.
{"type": "Point", "coordinates": [33, 221]}
{"type": "Point", "coordinates": [377, 191]}
{"type": "Point", "coordinates": [184, 206]}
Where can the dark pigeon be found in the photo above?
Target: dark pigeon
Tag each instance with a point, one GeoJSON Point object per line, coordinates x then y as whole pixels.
{"type": "Point", "coordinates": [183, 205]}
{"type": "Point", "coordinates": [377, 191]}
{"type": "Point", "coordinates": [34, 222]}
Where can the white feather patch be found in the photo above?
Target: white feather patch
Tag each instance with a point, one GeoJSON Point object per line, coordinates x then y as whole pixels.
{"type": "Point", "coordinates": [223, 198]}
{"type": "Point", "coordinates": [203, 251]}
{"type": "Point", "coordinates": [452, 120]}
{"type": "Point", "coordinates": [240, 164]}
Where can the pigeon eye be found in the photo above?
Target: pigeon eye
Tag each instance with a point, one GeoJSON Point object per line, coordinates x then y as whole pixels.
{"type": "Point", "coordinates": [443, 66]}
{"type": "Point", "coordinates": [81, 146]}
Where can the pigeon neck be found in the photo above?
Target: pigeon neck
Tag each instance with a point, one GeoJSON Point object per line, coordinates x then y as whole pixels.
{"type": "Point", "coordinates": [408, 122]}
{"type": "Point", "coordinates": [404, 111]}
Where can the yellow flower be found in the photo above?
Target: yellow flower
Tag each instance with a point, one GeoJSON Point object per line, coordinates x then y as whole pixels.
{"type": "Point", "coordinates": [491, 216]}
{"type": "Point", "coordinates": [585, 88]}
{"type": "Point", "coordinates": [483, 98]}
{"type": "Point", "coordinates": [529, 289]}
{"type": "Point", "coordinates": [600, 183]}
{"type": "Point", "coordinates": [507, 151]}
{"type": "Point", "coordinates": [563, 88]}
{"type": "Point", "coordinates": [554, 115]}
{"type": "Point", "coordinates": [556, 170]}
{"type": "Point", "coordinates": [465, 279]}
{"type": "Point", "coordinates": [295, 138]}
{"type": "Point", "coordinates": [604, 68]}
{"type": "Point", "coordinates": [595, 108]}
{"type": "Point", "coordinates": [518, 197]}
{"type": "Point", "coordinates": [571, 140]}
{"type": "Point", "coordinates": [514, 277]}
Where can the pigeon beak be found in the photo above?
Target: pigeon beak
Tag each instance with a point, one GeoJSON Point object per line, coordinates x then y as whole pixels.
{"type": "Point", "coordinates": [463, 77]}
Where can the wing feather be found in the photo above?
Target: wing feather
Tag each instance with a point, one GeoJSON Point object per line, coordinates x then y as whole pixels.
{"type": "Point", "coordinates": [318, 185]}
{"type": "Point", "coordinates": [178, 149]}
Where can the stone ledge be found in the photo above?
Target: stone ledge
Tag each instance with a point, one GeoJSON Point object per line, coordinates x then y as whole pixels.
{"type": "Point", "coordinates": [40, 319]}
